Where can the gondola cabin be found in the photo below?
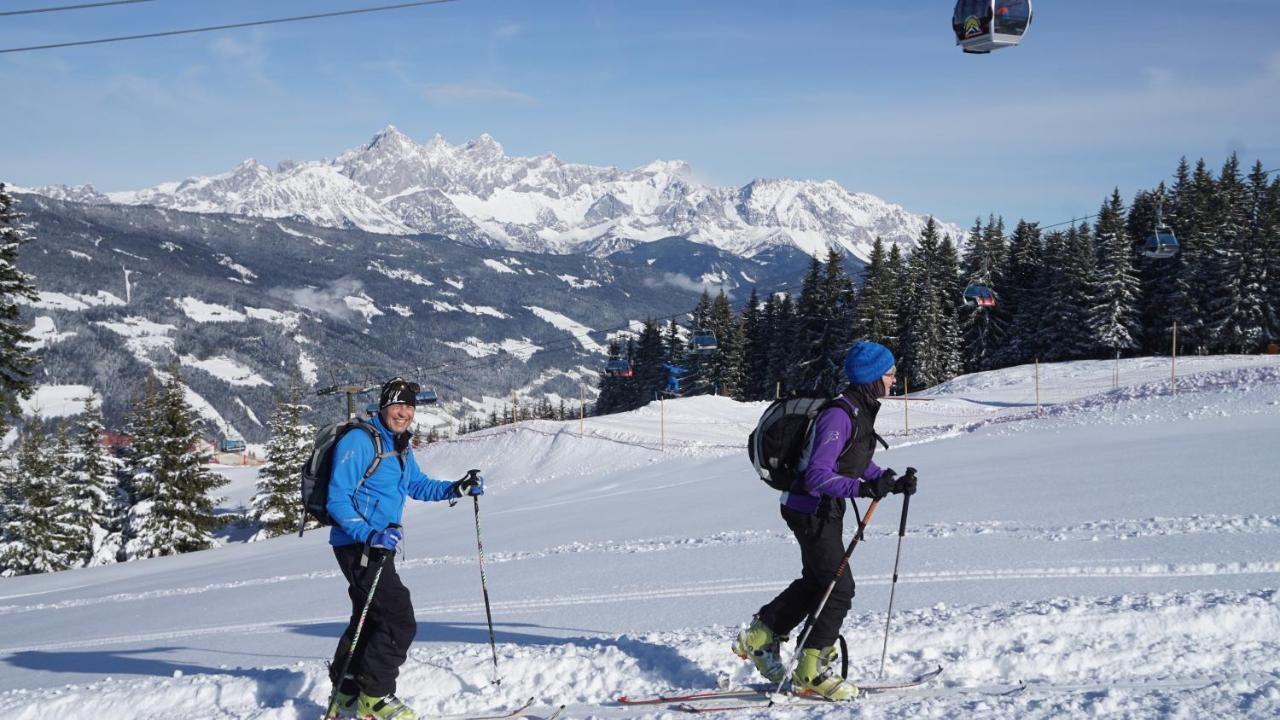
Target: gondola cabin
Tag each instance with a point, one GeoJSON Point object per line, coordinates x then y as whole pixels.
{"type": "Point", "coordinates": [1162, 244]}
{"type": "Point", "coordinates": [979, 295]}
{"type": "Point", "coordinates": [427, 397]}
{"type": "Point", "coordinates": [618, 368]}
{"type": "Point", "coordinates": [703, 341]}
{"type": "Point", "coordinates": [985, 25]}
{"type": "Point", "coordinates": [228, 446]}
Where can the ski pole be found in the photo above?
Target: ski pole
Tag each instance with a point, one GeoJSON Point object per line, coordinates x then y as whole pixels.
{"type": "Point", "coordinates": [484, 584]}
{"type": "Point", "coordinates": [902, 530]}
{"type": "Point", "coordinates": [844, 564]}
{"type": "Point", "coordinates": [355, 638]}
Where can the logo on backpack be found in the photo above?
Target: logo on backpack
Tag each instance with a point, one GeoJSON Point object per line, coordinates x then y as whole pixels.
{"type": "Point", "coordinates": [317, 470]}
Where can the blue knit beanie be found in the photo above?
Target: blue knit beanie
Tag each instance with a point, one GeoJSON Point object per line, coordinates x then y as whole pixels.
{"type": "Point", "coordinates": [867, 362]}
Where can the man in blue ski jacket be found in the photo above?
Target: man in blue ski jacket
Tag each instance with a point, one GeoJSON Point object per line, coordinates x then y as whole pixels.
{"type": "Point", "coordinates": [366, 515]}
{"type": "Point", "coordinates": [837, 465]}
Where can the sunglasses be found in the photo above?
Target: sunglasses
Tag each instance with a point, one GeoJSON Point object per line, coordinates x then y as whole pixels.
{"type": "Point", "coordinates": [398, 384]}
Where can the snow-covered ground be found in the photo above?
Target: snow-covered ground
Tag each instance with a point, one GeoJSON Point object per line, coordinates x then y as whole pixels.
{"type": "Point", "coordinates": [1117, 551]}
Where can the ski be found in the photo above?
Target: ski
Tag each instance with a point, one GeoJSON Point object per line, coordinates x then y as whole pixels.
{"type": "Point", "coordinates": [791, 698]}
{"type": "Point", "coordinates": [687, 697]}
{"type": "Point", "coordinates": [763, 690]}
{"type": "Point", "coordinates": [496, 714]}
{"type": "Point", "coordinates": [514, 712]}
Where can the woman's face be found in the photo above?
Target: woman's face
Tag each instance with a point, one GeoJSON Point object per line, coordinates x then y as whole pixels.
{"type": "Point", "coordinates": [888, 379]}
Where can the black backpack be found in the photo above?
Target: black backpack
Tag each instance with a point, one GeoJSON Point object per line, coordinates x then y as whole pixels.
{"type": "Point", "coordinates": [780, 437]}
{"type": "Point", "coordinates": [318, 468]}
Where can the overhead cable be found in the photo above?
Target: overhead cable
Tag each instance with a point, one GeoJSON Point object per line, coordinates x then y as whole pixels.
{"type": "Point", "coordinates": [230, 26]}
{"type": "Point", "coordinates": [81, 6]}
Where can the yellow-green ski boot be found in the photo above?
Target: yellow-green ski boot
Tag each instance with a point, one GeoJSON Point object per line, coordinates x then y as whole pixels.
{"type": "Point", "coordinates": [388, 707]}
{"type": "Point", "coordinates": [816, 675]}
{"type": "Point", "coordinates": [761, 646]}
{"type": "Point", "coordinates": [342, 707]}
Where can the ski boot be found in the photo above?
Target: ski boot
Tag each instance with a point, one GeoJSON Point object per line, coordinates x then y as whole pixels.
{"type": "Point", "coordinates": [387, 707]}
{"type": "Point", "coordinates": [760, 645]}
{"type": "Point", "coordinates": [816, 675]}
{"type": "Point", "coordinates": [342, 707]}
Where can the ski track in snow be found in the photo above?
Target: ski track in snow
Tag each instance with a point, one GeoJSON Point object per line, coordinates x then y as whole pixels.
{"type": "Point", "coordinates": [1190, 650]}
{"type": "Point", "coordinates": [1086, 532]}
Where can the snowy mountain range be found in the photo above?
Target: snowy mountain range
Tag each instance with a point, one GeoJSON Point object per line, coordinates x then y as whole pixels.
{"type": "Point", "coordinates": [478, 195]}
{"type": "Point", "coordinates": [240, 302]}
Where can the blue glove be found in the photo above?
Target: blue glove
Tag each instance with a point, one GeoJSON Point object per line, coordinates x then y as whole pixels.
{"type": "Point", "coordinates": [472, 484]}
{"type": "Point", "coordinates": [386, 539]}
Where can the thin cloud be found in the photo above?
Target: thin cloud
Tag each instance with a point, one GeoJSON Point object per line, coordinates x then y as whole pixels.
{"type": "Point", "coordinates": [451, 94]}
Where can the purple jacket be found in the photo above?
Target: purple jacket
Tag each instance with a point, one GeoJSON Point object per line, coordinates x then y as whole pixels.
{"type": "Point", "coordinates": [831, 433]}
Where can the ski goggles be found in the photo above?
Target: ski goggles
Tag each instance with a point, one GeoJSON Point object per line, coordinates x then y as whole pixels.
{"type": "Point", "coordinates": [397, 391]}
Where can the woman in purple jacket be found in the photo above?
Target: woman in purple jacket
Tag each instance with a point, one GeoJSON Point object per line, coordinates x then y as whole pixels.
{"type": "Point", "coordinates": [837, 465]}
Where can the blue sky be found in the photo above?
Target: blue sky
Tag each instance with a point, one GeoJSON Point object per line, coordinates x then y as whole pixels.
{"type": "Point", "coordinates": [872, 95]}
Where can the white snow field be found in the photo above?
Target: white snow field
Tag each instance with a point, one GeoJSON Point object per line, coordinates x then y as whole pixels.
{"type": "Point", "coordinates": [1119, 553]}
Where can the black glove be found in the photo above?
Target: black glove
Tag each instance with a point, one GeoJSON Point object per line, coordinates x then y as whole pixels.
{"type": "Point", "coordinates": [878, 488]}
{"type": "Point", "coordinates": [472, 484]}
{"type": "Point", "coordinates": [906, 485]}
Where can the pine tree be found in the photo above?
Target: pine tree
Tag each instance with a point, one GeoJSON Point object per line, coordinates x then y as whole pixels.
{"type": "Point", "coordinates": [780, 343]}
{"type": "Point", "coordinates": [612, 388]}
{"type": "Point", "coordinates": [647, 359]}
{"type": "Point", "coordinates": [826, 314]}
{"type": "Point", "coordinates": [1233, 309]}
{"type": "Point", "coordinates": [930, 351]}
{"type": "Point", "coordinates": [1114, 316]}
{"type": "Point", "coordinates": [1023, 296]}
{"type": "Point", "coordinates": [1070, 268]}
{"type": "Point", "coordinates": [1201, 251]}
{"type": "Point", "coordinates": [755, 350]}
{"type": "Point", "coordinates": [175, 512]}
{"type": "Point", "coordinates": [275, 506]}
{"type": "Point", "coordinates": [35, 541]}
{"type": "Point", "coordinates": [982, 328]}
{"type": "Point", "coordinates": [877, 314]}
{"type": "Point", "coordinates": [16, 361]}
{"type": "Point", "coordinates": [723, 366]}
{"type": "Point", "coordinates": [95, 490]}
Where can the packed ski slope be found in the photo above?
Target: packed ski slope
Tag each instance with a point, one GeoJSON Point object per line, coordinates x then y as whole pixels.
{"type": "Point", "coordinates": [1117, 553]}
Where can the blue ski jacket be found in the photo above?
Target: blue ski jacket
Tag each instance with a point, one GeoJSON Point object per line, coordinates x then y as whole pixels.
{"type": "Point", "coordinates": [360, 509]}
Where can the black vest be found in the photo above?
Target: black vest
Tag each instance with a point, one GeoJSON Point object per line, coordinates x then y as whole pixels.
{"type": "Point", "coordinates": [856, 455]}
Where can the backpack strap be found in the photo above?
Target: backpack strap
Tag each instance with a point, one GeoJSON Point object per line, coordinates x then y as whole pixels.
{"type": "Point", "coordinates": [852, 411]}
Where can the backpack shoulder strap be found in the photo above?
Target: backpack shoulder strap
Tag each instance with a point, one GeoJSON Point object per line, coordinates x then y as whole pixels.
{"type": "Point", "coordinates": [378, 454]}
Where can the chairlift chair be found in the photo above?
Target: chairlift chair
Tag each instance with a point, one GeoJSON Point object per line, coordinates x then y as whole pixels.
{"type": "Point", "coordinates": [703, 341]}
{"type": "Point", "coordinates": [618, 368]}
{"type": "Point", "coordinates": [981, 26]}
{"type": "Point", "coordinates": [979, 295]}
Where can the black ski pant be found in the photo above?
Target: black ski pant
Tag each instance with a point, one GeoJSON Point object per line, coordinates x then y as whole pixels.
{"type": "Point", "coordinates": [821, 538]}
{"type": "Point", "coordinates": [388, 630]}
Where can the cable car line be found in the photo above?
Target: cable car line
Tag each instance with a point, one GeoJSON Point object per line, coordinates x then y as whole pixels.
{"type": "Point", "coordinates": [81, 6]}
{"type": "Point", "coordinates": [230, 26]}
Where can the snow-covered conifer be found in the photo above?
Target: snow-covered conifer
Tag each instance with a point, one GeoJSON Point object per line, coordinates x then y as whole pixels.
{"type": "Point", "coordinates": [175, 511]}
{"type": "Point", "coordinates": [16, 358]}
{"type": "Point", "coordinates": [276, 504]}
{"type": "Point", "coordinates": [1114, 316]}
